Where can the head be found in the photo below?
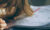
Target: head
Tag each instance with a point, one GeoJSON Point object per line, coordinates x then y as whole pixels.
{"type": "Point", "coordinates": [15, 7]}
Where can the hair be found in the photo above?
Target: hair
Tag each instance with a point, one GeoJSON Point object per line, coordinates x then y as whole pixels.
{"type": "Point", "coordinates": [14, 8]}
{"type": "Point", "coordinates": [25, 7]}
{"type": "Point", "coordinates": [19, 6]}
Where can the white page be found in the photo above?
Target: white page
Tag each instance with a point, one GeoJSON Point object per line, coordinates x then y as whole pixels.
{"type": "Point", "coordinates": [40, 18]}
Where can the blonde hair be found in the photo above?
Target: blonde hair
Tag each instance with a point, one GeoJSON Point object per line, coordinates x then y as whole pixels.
{"type": "Point", "coordinates": [26, 7]}
{"type": "Point", "coordinates": [17, 7]}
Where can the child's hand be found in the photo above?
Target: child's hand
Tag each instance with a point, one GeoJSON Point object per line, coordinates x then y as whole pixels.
{"type": "Point", "coordinates": [3, 24]}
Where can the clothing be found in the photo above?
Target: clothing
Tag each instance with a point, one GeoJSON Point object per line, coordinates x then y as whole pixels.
{"type": "Point", "coordinates": [39, 18]}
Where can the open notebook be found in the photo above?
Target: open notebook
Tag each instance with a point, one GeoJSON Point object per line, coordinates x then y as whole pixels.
{"type": "Point", "coordinates": [39, 18]}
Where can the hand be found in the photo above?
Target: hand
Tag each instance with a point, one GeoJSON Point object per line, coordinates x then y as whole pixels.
{"type": "Point", "coordinates": [3, 24]}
